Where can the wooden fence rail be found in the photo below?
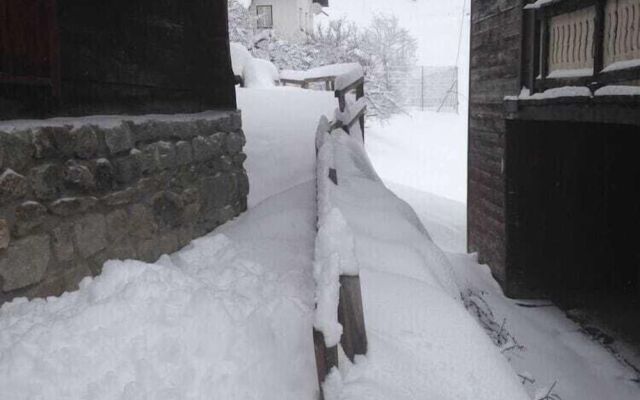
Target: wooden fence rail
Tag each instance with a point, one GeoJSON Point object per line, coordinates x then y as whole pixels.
{"type": "Point", "coordinates": [350, 311]}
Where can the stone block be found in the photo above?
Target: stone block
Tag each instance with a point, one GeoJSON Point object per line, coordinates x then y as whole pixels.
{"type": "Point", "coordinates": [168, 209]}
{"type": "Point", "coordinates": [142, 224]}
{"type": "Point", "coordinates": [242, 183]}
{"type": "Point", "coordinates": [165, 155]}
{"type": "Point", "coordinates": [5, 234]}
{"type": "Point", "coordinates": [122, 197]}
{"type": "Point", "coordinates": [77, 176]}
{"type": "Point", "coordinates": [184, 153]}
{"type": "Point", "coordinates": [68, 206]}
{"type": "Point", "coordinates": [128, 169]}
{"type": "Point", "coordinates": [117, 225]}
{"type": "Point", "coordinates": [217, 191]}
{"type": "Point", "coordinates": [13, 186]}
{"type": "Point", "coordinates": [147, 251]}
{"type": "Point", "coordinates": [121, 250]}
{"type": "Point", "coordinates": [239, 159]}
{"type": "Point", "coordinates": [16, 151]}
{"type": "Point", "coordinates": [62, 242]}
{"type": "Point", "coordinates": [46, 181]}
{"type": "Point", "coordinates": [86, 145]}
{"type": "Point", "coordinates": [235, 142]}
{"type": "Point", "coordinates": [90, 234]}
{"type": "Point", "coordinates": [64, 141]}
{"type": "Point", "coordinates": [29, 215]}
{"type": "Point", "coordinates": [225, 163]}
{"type": "Point", "coordinates": [104, 175]}
{"type": "Point", "coordinates": [118, 139]}
{"type": "Point", "coordinates": [167, 243]}
{"type": "Point", "coordinates": [206, 148]}
{"type": "Point", "coordinates": [24, 262]}
{"type": "Point", "coordinates": [43, 143]}
{"type": "Point", "coordinates": [236, 121]}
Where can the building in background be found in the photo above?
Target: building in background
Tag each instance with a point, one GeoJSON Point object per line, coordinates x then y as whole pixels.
{"type": "Point", "coordinates": [554, 182]}
{"type": "Point", "coordinates": [289, 19]}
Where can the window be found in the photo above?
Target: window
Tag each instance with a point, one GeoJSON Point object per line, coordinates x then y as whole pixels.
{"type": "Point", "coordinates": [265, 17]}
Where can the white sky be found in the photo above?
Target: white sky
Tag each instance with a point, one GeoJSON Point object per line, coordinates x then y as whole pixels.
{"type": "Point", "coordinates": [434, 23]}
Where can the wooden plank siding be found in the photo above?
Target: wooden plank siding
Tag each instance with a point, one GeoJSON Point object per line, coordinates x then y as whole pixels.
{"type": "Point", "coordinates": [129, 57]}
{"type": "Point", "coordinates": [496, 42]}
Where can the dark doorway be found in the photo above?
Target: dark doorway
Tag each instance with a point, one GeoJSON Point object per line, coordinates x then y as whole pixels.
{"type": "Point", "coordinates": [573, 199]}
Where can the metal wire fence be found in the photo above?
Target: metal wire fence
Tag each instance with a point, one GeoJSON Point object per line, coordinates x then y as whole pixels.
{"type": "Point", "coordinates": [429, 88]}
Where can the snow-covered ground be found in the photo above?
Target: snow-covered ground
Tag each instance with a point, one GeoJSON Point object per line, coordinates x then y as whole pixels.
{"type": "Point", "coordinates": [280, 124]}
{"type": "Point", "coordinates": [423, 150]}
{"type": "Point", "coordinates": [230, 316]}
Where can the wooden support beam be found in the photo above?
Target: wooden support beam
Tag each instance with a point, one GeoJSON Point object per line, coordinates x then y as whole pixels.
{"type": "Point", "coordinates": [326, 358]}
{"type": "Point", "coordinates": [351, 317]}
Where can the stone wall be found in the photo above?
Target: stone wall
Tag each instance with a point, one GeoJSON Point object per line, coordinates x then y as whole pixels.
{"type": "Point", "coordinates": [75, 193]}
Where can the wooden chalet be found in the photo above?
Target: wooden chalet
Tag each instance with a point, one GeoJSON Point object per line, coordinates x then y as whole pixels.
{"type": "Point", "coordinates": [554, 135]}
{"type": "Point", "coordinates": [77, 57]}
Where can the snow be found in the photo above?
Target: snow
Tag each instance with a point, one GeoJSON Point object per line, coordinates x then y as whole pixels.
{"type": "Point", "coordinates": [280, 124]}
{"type": "Point", "coordinates": [240, 57]}
{"type": "Point", "coordinates": [555, 93]}
{"type": "Point", "coordinates": [570, 73]}
{"type": "Point", "coordinates": [333, 70]}
{"type": "Point", "coordinates": [105, 121]}
{"type": "Point", "coordinates": [540, 4]}
{"type": "Point", "coordinates": [616, 66]}
{"type": "Point", "coordinates": [424, 150]}
{"type": "Point", "coordinates": [227, 317]}
{"type": "Point", "coordinates": [260, 74]}
{"type": "Point", "coordinates": [424, 348]}
{"type": "Point", "coordinates": [618, 90]}
{"type": "Point", "coordinates": [349, 76]}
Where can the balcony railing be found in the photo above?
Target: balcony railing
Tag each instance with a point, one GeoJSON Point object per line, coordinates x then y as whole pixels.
{"type": "Point", "coordinates": [581, 43]}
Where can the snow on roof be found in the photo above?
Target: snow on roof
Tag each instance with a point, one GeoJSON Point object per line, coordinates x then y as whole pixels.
{"type": "Point", "coordinates": [540, 4]}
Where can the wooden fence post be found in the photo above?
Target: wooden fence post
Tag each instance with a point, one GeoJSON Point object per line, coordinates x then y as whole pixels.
{"type": "Point", "coordinates": [351, 317]}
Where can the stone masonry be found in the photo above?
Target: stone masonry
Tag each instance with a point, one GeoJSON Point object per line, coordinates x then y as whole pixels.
{"type": "Point", "coordinates": [73, 196]}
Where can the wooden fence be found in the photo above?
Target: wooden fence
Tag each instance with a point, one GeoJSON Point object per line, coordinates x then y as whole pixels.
{"type": "Point", "coordinates": [350, 309]}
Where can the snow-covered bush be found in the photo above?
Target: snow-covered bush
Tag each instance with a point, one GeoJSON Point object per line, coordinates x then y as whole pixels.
{"type": "Point", "coordinates": [385, 50]}
{"type": "Point", "coordinates": [260, 73]}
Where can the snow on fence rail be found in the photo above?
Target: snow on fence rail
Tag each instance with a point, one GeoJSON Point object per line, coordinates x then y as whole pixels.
{"type": "Point", "coordinates": [342, 79]}
{"type": "Point", "coordinates": [339, 316]}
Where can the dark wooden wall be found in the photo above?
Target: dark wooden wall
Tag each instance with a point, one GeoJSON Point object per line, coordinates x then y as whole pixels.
{"type": "Point", "coordinates": [142, 56]}
{"type": "Point", "coordinates": [495, 72]}
{"type": "Point", "coordinates": [574, 208]}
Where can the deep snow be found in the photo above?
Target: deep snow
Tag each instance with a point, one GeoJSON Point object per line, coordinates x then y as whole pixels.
{"type": "Point", "coordinates": [228, 317]}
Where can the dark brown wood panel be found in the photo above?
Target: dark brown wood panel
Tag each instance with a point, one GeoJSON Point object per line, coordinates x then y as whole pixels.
{"type": "Point", "coordinates": [496, 38]}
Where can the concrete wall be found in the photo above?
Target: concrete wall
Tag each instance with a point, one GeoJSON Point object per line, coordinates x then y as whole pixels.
{"type": "Point", "coordinates": [286, 17]}
{"type": "Point", "coordinates": [77, 192]}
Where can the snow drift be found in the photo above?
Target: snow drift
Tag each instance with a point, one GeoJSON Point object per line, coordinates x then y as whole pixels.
{"type": "Point", "coordinates": [422, 342]}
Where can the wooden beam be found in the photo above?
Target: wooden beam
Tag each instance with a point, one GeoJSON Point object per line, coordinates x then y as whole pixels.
{"type": "Point", "coordinates": [351, 317]}
{"type": "Point", "coordinates": [598, 39]}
